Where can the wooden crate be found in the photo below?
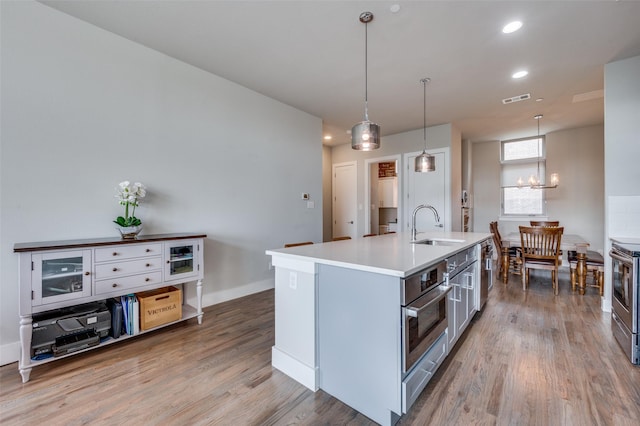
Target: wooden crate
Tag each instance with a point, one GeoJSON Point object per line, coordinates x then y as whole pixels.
{"type": "Point", "coordinates": [159, 306]}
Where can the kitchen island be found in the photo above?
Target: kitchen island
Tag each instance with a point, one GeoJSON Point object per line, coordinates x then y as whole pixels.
{"type": "Point", "coordinates": [339, 320]}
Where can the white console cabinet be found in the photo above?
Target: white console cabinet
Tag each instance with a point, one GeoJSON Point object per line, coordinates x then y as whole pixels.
{"type": "Point", "coordinates": [60, 274]}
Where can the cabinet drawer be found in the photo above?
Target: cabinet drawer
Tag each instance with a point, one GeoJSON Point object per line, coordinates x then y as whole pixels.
{"type": "Point", "coordinates": [125, 284]}
{"type": "Point", "coordinates": [131, 267]}
{"type": "Point", "coordinates": [127, 252]}
{"type": "Point", "coordinates": [417, 380]}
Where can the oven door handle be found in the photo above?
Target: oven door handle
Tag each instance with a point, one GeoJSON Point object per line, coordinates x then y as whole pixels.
{"type": "Point", "coordinates": [414, 312]}
{"type": "Point", "coordinates": [619, 257]}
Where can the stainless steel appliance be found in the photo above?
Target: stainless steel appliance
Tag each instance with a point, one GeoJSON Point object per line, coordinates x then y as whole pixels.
{"type": "Point", "coordinates": [625, 268]}
{"type": "Point", "coordinates": [424, 312]}
{"type": "Point", "coordinates": [486, 272]}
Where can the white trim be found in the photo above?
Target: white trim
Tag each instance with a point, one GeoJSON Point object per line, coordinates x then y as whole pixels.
{"type": "Point", "coordinates": [367, 189]}
{"type": "Point", "coordinates": [297, 370]}
{"type": "Point", "coordinates": [10, 353]}
{"type": "Point", "coordinates": [216, 297]}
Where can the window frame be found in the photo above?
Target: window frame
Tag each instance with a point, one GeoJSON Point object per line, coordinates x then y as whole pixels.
{"type": "Point", "coordinates": [538, 163]}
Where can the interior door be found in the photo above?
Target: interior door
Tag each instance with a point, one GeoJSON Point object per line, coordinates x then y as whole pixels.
{"type": "Point", "coordinates": [345, 199]}
{"type": "Point", "coordinates": [428, 188]}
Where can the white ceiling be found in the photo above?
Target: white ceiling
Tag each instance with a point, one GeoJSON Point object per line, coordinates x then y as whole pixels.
{"type": "Point", "coordinates": [310, 55]}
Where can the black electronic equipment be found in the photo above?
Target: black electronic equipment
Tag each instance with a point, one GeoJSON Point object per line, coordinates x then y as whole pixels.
{"type": "Point", "coordinates": [70, 329]}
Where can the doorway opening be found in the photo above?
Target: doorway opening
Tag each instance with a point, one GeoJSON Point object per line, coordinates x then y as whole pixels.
{"type": "Point", "coordinates": [382, 195]}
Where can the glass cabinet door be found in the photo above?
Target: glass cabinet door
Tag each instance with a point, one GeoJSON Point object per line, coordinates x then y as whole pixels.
{"type": "Point", "coordinates": [182, 260]}
{"type": "Point", "coordinates": [61, 276]}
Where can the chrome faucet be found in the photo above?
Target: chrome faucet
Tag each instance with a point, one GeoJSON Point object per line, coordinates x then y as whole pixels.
{"type": "Point", "coordinates": [413, 218]}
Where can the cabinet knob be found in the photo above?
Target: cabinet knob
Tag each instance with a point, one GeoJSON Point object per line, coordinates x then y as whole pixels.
{"type": "Point", "coordinates": [148, 265]}
{"type": "Point", "coordinates": [114, 285]}
{"type": "Point", "coordinates": [168, 261]}
{"type": "Point", "coordinates": [147, 279]}
{"type": "Point", "coordinates": [148, 250]}
{"type": "Point", "coordinates": [87, 273]}
{"type": "Point", "coordinates": [115, 253]}
{"type": "Point", "coordinates": [115, 269]}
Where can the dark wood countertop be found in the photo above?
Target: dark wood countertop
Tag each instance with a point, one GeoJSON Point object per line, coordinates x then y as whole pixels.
{"type": "Point", "coordinates": [92, 242]}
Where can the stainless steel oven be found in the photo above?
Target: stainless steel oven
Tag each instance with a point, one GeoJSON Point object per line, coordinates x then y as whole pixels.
{"type": "Point", "coordinates": [424, 313]}
{"type": "Point", "coordinates": [625, 324]}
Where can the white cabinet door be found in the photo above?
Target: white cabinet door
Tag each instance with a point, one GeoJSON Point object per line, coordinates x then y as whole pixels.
{"type": "Point", "coordinates": [451, 316]}
{"type": "Point", "coordinates": [388, 192]}
{"type": "Point", "coordinates": [461, 303]}
{"type": "Point", "coordinates": [60, 276]}
{"type": "Point", "coordinates": [182, 260]}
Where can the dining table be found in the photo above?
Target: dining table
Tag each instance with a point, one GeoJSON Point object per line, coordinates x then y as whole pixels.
{"type": "Point", "coordinates": [569, 242]}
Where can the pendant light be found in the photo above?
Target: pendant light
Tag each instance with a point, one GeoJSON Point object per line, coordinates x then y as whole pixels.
{"type": "Point", "coordinates": [425, 162]}
{"type": "Point", "coordinates": [365, 136]}
{"type": "Point", "coordinates": [534, 180]}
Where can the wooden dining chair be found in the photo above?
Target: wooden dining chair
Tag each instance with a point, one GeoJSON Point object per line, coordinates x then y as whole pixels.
{"type": "Point", "coordinates": [540, 250]}
{"type": "Point", "coordinates": [341, 238]}
{"type": "Point", "coordinates": [515, 261]}
{"type": "Point", "coordinates": [306, 243]}
{"type": "Point", "coordinates": [544, 222]}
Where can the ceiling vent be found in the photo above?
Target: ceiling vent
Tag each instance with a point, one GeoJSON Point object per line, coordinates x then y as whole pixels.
{"type": "Point", "coordinates": [517, 98]}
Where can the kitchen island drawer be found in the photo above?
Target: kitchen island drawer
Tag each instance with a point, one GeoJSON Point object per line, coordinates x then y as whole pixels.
{"type": "Point", "coordinates": [417, 380]}
{"type": "Point", "coordinates": [127, 252]}
{"type": "Point", "coordinates": [131, 267]}
{"type": "Point", "coordinates": [129, 283]}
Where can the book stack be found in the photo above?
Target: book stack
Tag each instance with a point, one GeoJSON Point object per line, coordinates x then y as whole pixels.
{"type": "Point", "coordinates": [131, 313]}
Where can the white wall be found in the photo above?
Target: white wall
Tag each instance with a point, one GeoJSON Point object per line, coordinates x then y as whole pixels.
{"type": "Point", "coordinates": [578, 202]}
{"type": "Point", "coordinates": [440, 136]}
{"type": "Point", "coordinates": [622, 151]}
{"type": "Point", "coordinates": [83, 109]}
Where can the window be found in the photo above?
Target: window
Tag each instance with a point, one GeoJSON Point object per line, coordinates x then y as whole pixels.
{"type": "Point", "coordinates": [520, 159]}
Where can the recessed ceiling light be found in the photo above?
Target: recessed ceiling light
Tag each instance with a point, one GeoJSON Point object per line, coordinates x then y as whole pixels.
{"type": "Point", "coordinates": [327, 138]}
{"type": "Point", "coordinates": [512, 27]}
{"type": "Point", "coordinates": [520, 74]}
{"type": "Point", "coordinates": [395, 8]}
{"type": "Point", "coordinates": [539, 99]}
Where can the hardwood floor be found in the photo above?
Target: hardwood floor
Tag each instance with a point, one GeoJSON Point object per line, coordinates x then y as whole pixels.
{"type": "Point", "coordinates": [529, 359]}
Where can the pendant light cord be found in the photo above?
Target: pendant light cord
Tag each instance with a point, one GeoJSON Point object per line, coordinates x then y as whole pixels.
{"type": "Point", "coordinates": [538, 142]}
{"type": "Point", "coordinates": [424, 116]}
{"type": "Point", "coordinates": [366, 76]}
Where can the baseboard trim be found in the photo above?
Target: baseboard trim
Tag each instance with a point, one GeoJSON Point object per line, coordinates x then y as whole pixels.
{"type": "Point", "coordinates": [9, 353]}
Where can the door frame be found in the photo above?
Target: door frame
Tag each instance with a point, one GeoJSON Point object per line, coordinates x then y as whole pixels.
{"type": "Point", "coordinates": [367, 189]}
{"type": "Point", "coordinates": [333, 192]}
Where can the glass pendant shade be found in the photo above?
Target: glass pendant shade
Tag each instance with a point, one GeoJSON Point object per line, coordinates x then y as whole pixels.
{"type": "Point", "coordinates": [425, 163]}
{"type": "Point", "coordinates": [365, 136]}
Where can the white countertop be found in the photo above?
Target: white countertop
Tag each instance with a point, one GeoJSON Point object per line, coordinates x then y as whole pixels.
{"type": "Point", "coordinates": [389, 254]}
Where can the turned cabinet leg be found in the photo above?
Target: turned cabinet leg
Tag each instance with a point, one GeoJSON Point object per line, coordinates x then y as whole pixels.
{"type": "Point", "coordinates": [26, 330]}
{"type": "Point", "coordinates": [573, 277]}
{"type": "Point", "coordinates": [199, 300]}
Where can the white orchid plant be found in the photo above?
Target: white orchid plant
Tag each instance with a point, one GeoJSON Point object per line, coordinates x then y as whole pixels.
{"type": "Point", "coordinates": [128, 196]}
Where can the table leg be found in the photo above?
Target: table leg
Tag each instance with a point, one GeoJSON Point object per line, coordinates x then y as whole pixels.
{"type": "Point", "coordinates": [581, 271]}
{"type": "Point", "coordinates": [505, 264]}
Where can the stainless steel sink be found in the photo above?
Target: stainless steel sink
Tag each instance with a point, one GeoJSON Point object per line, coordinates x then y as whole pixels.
{"type": "Point", "coordinates": [438, 242]}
